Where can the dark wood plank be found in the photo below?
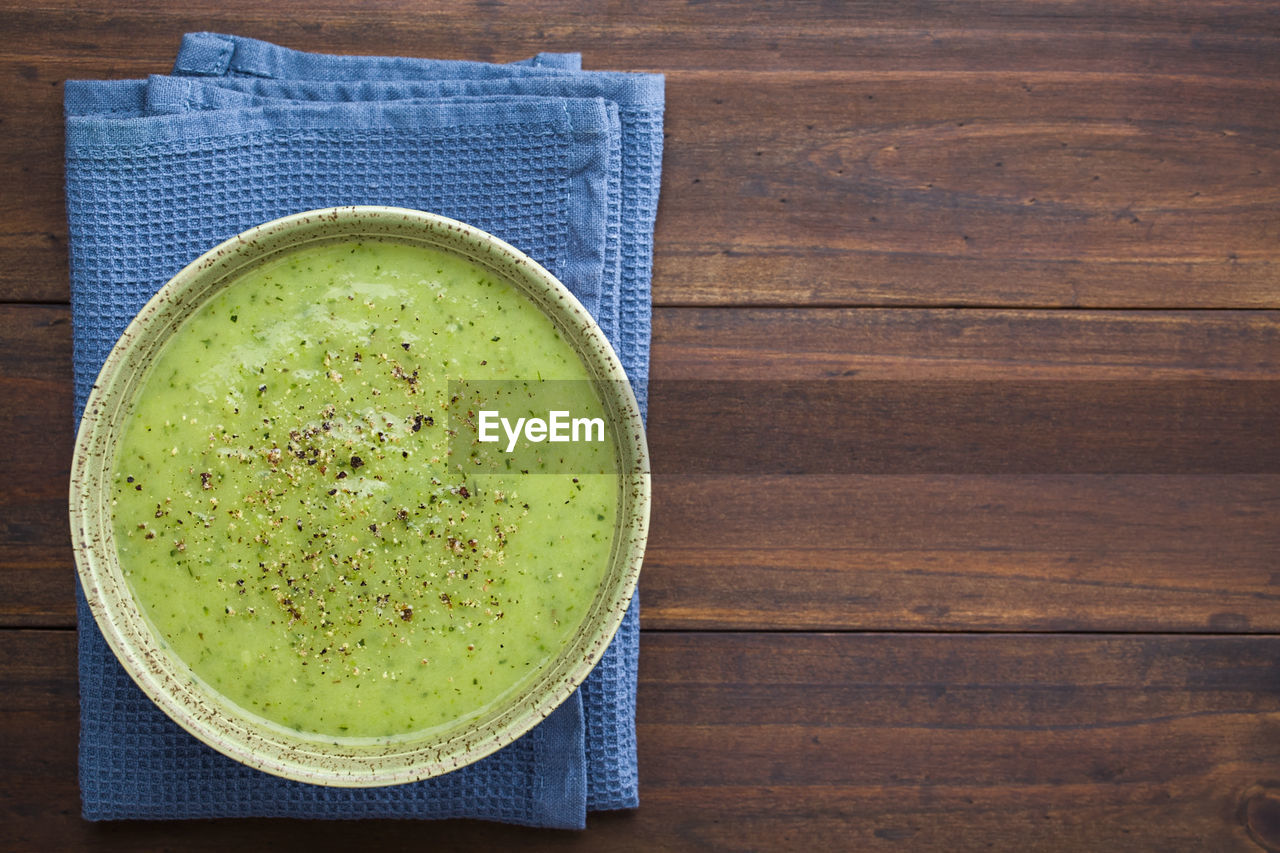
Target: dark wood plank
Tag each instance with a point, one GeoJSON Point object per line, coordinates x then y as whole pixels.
{"type": "Point", "coordinates": [969, 189]}
{"type": "Point", "coordinates": [926, 344]}
{"type": "Point", "coordinates": [36, 421]}
{"type": "Point", "coordinates": [973, 552]}
{"type": "Point", "coordinates": [1060, 172]}
{"type": "Point", "coordinates": [1220, 38]}
{"type": "Point", "coordinates": [898, 392]}
{"type": "Point", "coordinates": [918, 547]}
{"type": "Point", "coordinates": [986, 154]}
{"type": "Point", "coordinates": [762, 427]}
{"type": "Point", "coordinates": [869, 742]}
{"type": "Point", "coordinates": [960, 743]}
{"type": "Point", "coordinates": [955, 552]}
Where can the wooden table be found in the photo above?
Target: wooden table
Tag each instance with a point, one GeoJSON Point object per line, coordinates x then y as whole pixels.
{"type": "Point", "coordinates": [1013, 583]}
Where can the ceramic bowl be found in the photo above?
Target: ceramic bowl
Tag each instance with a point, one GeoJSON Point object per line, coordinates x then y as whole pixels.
{"type": "Point", "coordinates": [168, 681]}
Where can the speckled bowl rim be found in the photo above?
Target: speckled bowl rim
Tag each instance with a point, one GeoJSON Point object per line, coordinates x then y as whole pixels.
{"type": "Point", "coordinates": [201, 710]}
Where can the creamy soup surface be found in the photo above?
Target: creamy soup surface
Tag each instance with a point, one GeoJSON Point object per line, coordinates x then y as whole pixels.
{"type": "Point", "coordinates": [291, 520]}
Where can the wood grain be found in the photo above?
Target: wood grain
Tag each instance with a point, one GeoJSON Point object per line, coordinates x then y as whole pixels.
{"type": "Point", "coordinates": [925, 344]}
{"type": "Point", "coordinates": [1045, 182]}
{"type": "Point", "coordinates": [36, 421]}
{"type": "Point", "coordinates": [869, 742]}
{"type": "Point", "coordinates": [920, 546]}
{"type": "Point", "coordinates": [924, 214]}
{"type": "Point", "coordinates": [969, 189]}
{"type": "Point", "coordinates": [1219, 38]}
{"type": "Point", "coordinates": [763, 426]}
{"type": "Point", "coordinates": [1087, 552]}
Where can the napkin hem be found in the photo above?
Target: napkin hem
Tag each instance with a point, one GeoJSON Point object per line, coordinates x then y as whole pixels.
{"type": "Point", "coordinates": [215, 54]}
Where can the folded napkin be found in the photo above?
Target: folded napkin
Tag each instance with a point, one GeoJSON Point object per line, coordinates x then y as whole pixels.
{"type": "Point", "coordinates": [562, 163]}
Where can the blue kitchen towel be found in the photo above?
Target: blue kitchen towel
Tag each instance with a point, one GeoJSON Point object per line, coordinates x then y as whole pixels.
{"type": "Point", "coordinates": [159, 171]}
{"type": "Point", "coordinates": [624, 312]}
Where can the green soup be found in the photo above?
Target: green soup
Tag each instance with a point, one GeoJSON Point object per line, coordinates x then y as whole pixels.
{"type": "Point", "coordinates": [292, 518]}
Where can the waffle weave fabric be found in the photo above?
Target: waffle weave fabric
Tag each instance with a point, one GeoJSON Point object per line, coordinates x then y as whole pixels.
{"type": "Point", "coordinates": [564, 164]}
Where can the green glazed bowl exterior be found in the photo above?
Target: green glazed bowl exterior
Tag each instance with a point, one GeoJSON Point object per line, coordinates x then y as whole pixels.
{"type": "Point", "coordinates": [169, 683]}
